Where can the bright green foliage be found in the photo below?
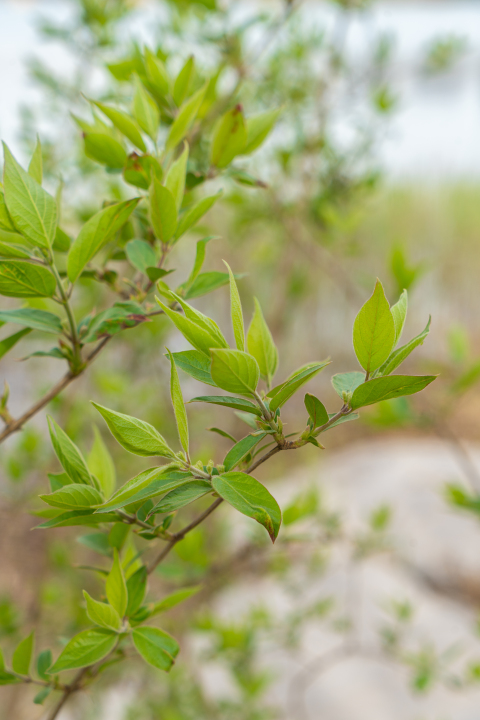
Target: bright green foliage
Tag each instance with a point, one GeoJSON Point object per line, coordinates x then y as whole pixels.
{"type": "Point", "coordinates": [102, 614]}
{"type": "Point", "coordinates": [251, 498]}
{"type": "Point", "coordinates": [101, 465]}
{"type": "Point", "coordinates": [316, 410]}
{"type": "Point", "coordinates": [74, 497]}
{"type": "Point", "coordinates": [145, 110]}
{"type": "Point", "coordinates": [178, 404]}
{"type": "Point", "coordinates": [155, 646]}
{"type": "Point", "coordinates": [241, 450]}
{"type": "Point", "coordinates": [35, 168]}
{"type": "Point", "coordinates": [374, 331]}
{"type": "Point", "coordinates": [105, 150]}
{"type": "Point", "coordinates": [23, 280]}
{"type": "Point", "coordinates": [22, 656]}
{"type": "Point", "coordinates": [235, 371]}
{"type": "Point", "coordinates": [399, 312]}
{"type": "Point", "coordinates": [32, 318]}
{"type": "Point", "coordinates": [282, 393]}
{"type": "Point", "coordinates": [136, 436]}
{"type": "Point", "coordinates": [261, 345]}
{"type": "Point", "coordinates": [116, 587]}
{"type": "Point", "coordinates": [124, 123]}
{"type": "Point", "coordinates": [69, 455]}
{"type": "Point", "coordinates": [185, 118]}
{"type": "Point", "coordinates": [236, 312]}
{"type": "Point", "coordinates": [386, 388]}
{"type": "Point", "coordinates": [32, 209]}
{"type": "Point", "coordinates": [229, 138]}
{"type": "Point", "coordinates": [163, 211]}
{"type": "Point", "coordinates": [182, 496]}
{"type": "Point", "coordinates": [86, 648]}
{"type": "Point", "coordinates": [258, 128]}
{"type": "Point", "coordinates": [175, 180]}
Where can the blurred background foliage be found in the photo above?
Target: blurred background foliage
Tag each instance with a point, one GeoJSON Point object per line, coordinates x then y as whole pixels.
{"type": "Point", "coordinates": [310, 224]}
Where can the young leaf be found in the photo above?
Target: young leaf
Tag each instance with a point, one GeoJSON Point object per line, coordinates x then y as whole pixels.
{"type": "Point", "coordinates": [229, 137]}
{"type": "Point", "coordinates": [195, 364]}
{"type": "Point", "coordinates": [170, 601]}
{"type": "Point", "coordinates": [104, 149]}
{"type": "Point", "coordinates": [145, 110]}
{"type": "Point", "coordinates": [235, 371]}
{"type": "Point", "coordinates": [22, 279]}
{"type": "Point", "coordinates": [155, 646]}
{"type": "Point", "coordinates": [289, 388]}
{"type": "Point", "coordinates": [398, 356]}
{"type": "Point", "coordinates": [241, 449]}
{"type": "Point", "coordinates": [374, 331]}
{"type": "Point", "coordinates": [124, 123]}
{"type": "Point", "coordinates": [96, 233]}
{"type": "Point", "coordinates": [251, 498]}
{"type": "Point", "coordinates": [12, 251]}
{"type": "Point", "coordinates": [347, 382]}
{"type": "Point", "coordinates": [182, 496]}
{"type": "Point", "coordinates": [178, 404]}
{"type": "Point", "coordinates": [399, 313]}
{"type": "Point", "coordinates": [22, 655]}
{"type": "Point", "coordinates": [147, 484]}
{"type": "Point", "coordinates": [201, 338]}
{"type": "Point", "coordinates": [74, 497]}
{"type": "Point", "coordinates": [183, 81]}
{"type": "Point", "coordinates": [175, 180]}
{"type": "Point", "coordinates": [199, 260]}
{"type": "Point", "coordinates": [35, 169]}
{"type": "Point", "coordinates": [42, 695]}
{"type": "Point", "coordinates": [79, 517]}
{"type": "Point", "coordinates": [136, 589]}
{"type": "Point", "coordinates": [9, 342]}
{"type": "Point", "coordinates": [193, 214]}
{"type": "Point", "coordinates": [185, 118]}
{"type": "Point", "coordinates": [69, 455]}
{"type": "Point", "coordinates": [156, 73]}
{"type": "Point", "coordinates": [102, 614]}
{"type": "Point", "coordinates": [136, 436]}
{"type": "Point", "coordinates": [386, 388]}
{"type": "Point", "coordinates": [34, 319]}
{"type": "Point", "coordinates": [206, 283]}
{"type": "Point", "coordinates": [101, 465]}
{"type": "Point", "coordinates": [116, 587]}
{"type": "Point", "coordinates": [260, 344]}
{"type": "Point", "coordinates": [163, 211]}
{"type": "Point", "coordinates": [236, 312]}
{"type": "Point", "coordinates": [141, 255]}
{"type": "Point", "coordinates": [86, 648]}
{"type": "Point", "coordinates": [316, 410]}
{"type": "Point", "coordinates": [33, 211]}
{"type": "Point", "coordinates": [44, 661]}
{"type": "Point", "coordinates": [258, 128]}
{"type": "Point", "coordinates": [231, 402]}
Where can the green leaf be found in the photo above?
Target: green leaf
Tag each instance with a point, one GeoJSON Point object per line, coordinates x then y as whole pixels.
{"type": "Point", "coordinates": [175, 180]}
{"type": "Point", "coordinates": [13, 251]}
{"type": "Point", "coordinates": [116, 587]}
{"type": "Point", "coordinates": [156, 73]}
{"type": "Point", "coordinates": [105, 149]}
{"type": "Point", "coordinates": [69, 455]}
{"type": "Point", "coordinates": [42, 695]}
{"type": "Point", "coordinates": [124, 123]}
{"type": "Point", "coordinates": [231, 402]}
{"type": "Point", "coordinates": [296, 381]}
{"type": "Point", "coordinates": [399, 313]}
{"type": "Point", "coordinates": [241, 449]}
{"type": "Point", "coordinates": [101, 465]}
{"type": "Point", "coordinates": [398, 356]}
{"type": "Point", "coordinates": [139, 170]}
{"type": "Point", "coordinates": [74, 497]}
{"type": "Point", "coordinates": [229, 137]}
{"type": "Point", "coordinates": [33, 318]}
{"type": "Point", "coordinates": [98, 542]}
{"type": "Point", "coordinates": [258, 128]}
{"type": "Point", "coordinates": [175, 598]}
{"type": "Point", "coordinates": [235, 371]}
{"type": "Point", "coordinates": [7, 678]}
{"type": "Point", "coordinates": [141, 255]}
{"type": "Point", "coordinates": [96, 233]}
{"type": "Point", "coordinates": [199, 260]}
{"type": "Point", "coordinates": [347, 382]}
{"type": "Point", "coordinates": [374, 331]}
{"type": "Point", "coordinates": [178, 404]}
{"type": "Point", "coordinates": [22, 655]}
{"type": "Point", "coordinates": [62, 241]}
{"type": "Point", "coordinates": [9, 342]}
{"type": "Point", "coordinates": [181, 496]}
{"type": "Point", "coordinates": [78, 517]}
{"type": "Point", "coordinates": [147, 484]}
{"type": "Point", "coordinates": [193, 214]}
{"type": "Point", "coordinates": [185, 118]}
{"type": "Point", "coordinates": [102, 614]}
{"type": "Point", "coordinates": [195, 364]}
{"type": "Point", "coordinates": [33, 211]}
{"type": "Point", "coordinates": [225, 434]}
{"type": "Point", "coordinates": [236, 312]}
{"type": "Point", "coordinates": [6, 222]}
{"type": "Point", "coordinates": [112, 321]}
{"type": "Point", "coordinates": [251, 498]}
{"type": "Point", "coordinates": [163, 211]}
{"type": "Point", "coordinates": [316, 410]}
{"type": "Point", "coordinates": [206, 283]}
{"type": "Point", "coordinates": [145, 110]}
{"type": "Point", "coordinates": [183, 81]}
{"type": "Point", "coordinates": [22, 279]}
{"type": "Point", "coordinates": [136, 436]}
{"type": "Point", "coordinates": [201, 337]}
{"type": "Point", "coordinates": [156, 647]}
{"type": "Point", "coordinates": [260, 344]}
{"type": "Point", "coordinates": [386, 388]}
{"type": "Point", "coordinates": [86, 648]}
{"type": "Point", "coordinates": [136, 589]}
{"type": "Point", "coordinates": [35, 169]}
{"type": "Point", "coordinates": [58, 481]}
{"type": "Point", "coordinates": [44, 661]}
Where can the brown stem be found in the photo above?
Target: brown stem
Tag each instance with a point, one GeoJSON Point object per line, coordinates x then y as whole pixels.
{"type": "Point", "coordinates": [73, 687]}
{"type": "Point", "coordinates": [16, 425]}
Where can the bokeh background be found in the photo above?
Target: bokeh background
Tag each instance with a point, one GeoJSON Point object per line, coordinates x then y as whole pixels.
{"type": "Point", "coordinates": [368, 607]}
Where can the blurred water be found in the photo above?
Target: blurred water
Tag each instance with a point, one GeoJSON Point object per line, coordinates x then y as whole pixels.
{"type": "Point", "coordinates": [436, 130]}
